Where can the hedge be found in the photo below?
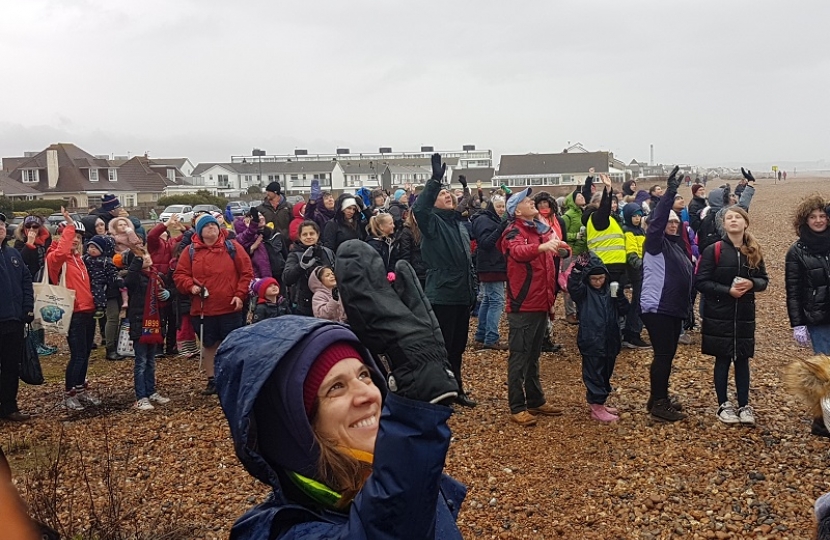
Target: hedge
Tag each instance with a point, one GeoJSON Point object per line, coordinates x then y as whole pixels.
{"type": "Point", "coordinates": [8, 206]}
{"type": "Point", "coordinates": [200, 197]}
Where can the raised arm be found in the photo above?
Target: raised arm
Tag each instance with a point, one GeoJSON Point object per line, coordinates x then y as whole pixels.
{"type": "Point", "coordinates": [659, 217]}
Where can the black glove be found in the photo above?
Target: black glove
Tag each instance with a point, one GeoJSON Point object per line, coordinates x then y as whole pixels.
{"type": "Point", "coordinates": [28, 318]}
{"type": "Point", "coordinates": [254, 214]}
{"type": "Point", "coordinates": [438, 168]}
{"type": "Point", "coordinates": [335, 294]}
{"type": "Point", "coordinates": [748, 175]}
{"type": "Point", "coordinates": [307, 259]}
{"type": "Point", "coordinates": [395, 321]}
{"type": "Point", "coordinates": [360, 204]}
{"type": "Point", "coordinates": [462, 180]}
{"type": "Point", "coordinates": [674, 180]}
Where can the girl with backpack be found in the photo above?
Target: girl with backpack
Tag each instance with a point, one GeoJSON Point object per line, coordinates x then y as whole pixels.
{"type": "Point", "coordinates": [731, 271]}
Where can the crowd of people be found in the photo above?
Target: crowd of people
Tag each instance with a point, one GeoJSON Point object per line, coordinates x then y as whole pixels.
{"type": "Point", "coordinates": [406, 273]}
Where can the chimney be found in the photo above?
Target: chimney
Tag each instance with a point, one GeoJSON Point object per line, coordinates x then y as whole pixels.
{"type": "Point", "coordinates": [52, 169]}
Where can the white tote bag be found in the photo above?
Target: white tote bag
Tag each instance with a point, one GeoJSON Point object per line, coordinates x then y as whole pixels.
{"type": "Point", "coordinates": [125, 344]}
{"type": "Point", "coordinates": [54, 304]}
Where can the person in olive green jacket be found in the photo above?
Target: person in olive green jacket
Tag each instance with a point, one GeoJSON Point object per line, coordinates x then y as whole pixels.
{"type": "Point", "coordinates": [445, 249]}
{"type": "Point", "coordinates": [574, 203]}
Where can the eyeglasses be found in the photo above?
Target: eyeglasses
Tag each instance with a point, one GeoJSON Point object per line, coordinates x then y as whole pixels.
{"type": "Point", "coordinates": [32, 225]}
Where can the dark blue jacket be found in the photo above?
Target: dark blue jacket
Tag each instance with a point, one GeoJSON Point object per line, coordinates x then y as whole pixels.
{"type": "Point", "coordinates": [599, 331]}
{"type": "Point", "coordinates": [406, 496]}
{"type": "Point", "coordinates": [15, 286]}
{"type": "Point", "coordinates": [487, 228]}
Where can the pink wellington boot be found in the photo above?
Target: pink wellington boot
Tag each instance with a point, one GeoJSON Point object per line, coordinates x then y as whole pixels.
{"type": "Point", "coordinates": [612, 410]}
{"type": "Point", "coordinates": [599, 413]}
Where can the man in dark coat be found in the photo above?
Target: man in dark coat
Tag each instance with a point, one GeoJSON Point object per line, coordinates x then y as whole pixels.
{"type": "Point", "coordinates": [445, 248]}
{"type": "Point", "coordinates": [16, 310]}
{"type": "Point", "coordinates": [276, 209]}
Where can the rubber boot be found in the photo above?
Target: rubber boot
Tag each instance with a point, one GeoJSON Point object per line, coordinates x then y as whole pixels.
{"type": "Point", "coordinates": [599, 413]}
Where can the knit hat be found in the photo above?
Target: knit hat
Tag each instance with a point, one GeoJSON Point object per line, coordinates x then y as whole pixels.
{"type": "Point", "coordinates": [334, 353]}
{"type": "Point", "coordinates": [515, 199]}
{"type": "Point", "coordinates": [398, 194]}
{"type": "Point", "coordinates": [32, 219]}
{"type": "Point", "coordinates": [262, 285]}
{"type": "Point", "coordinates": [347, 202]}
{"type": "Point", "coordinates": [101, 242]}
{"type": "Point", "coordinates": [696, 188]}
{"type": "Point", "coordinates": [110, 202]}
{"type": "Point", "coordinates": [274, 187]}
{"type": "Point", "coordinates": [673, 216]}
{"type": "Point", "coordinates": [596, 270]}
{"type": "Point", "coordinates": [203, 220]}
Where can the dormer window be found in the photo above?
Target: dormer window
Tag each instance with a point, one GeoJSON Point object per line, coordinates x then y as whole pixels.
{"type": "Point", "coordinates": [93, 175]}
{"type": "Point", "coordinates": [113, 175]}
{"type": "Point", "coordinates": [31, 176]}
{"type": "Point", "coordinates": [171, 175]}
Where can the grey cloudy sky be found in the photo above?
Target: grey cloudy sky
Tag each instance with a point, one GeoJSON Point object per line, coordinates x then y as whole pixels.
{"type": "Point", "coordinates": [707, 82]}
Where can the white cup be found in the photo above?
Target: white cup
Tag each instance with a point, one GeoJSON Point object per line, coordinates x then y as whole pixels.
{"type": "Point", "coordinates": [614, 288]}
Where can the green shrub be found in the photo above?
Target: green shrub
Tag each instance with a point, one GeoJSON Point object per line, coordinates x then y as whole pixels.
{"type": "Point", "coordinates": [53, 206]}
{"type": "Point", "coordinates": [200, 197]}
{"type": "Point", "coordinates": [43, 212]}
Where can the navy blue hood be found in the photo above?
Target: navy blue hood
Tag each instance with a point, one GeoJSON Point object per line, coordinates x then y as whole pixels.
{"type": "Point", "coordinates": [628, 212]}
{"type": "Point", "coordinates": [259, 378]}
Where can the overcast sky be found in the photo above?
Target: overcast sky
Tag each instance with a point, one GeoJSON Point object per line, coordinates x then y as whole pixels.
{"type": "Point", "coordinates": [706, 82]}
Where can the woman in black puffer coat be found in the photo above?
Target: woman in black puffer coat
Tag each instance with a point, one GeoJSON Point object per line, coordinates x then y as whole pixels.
{"type": "Point", "coordinates": [731, 272]}
{"type": "Point", "coordinates": [305, 255]}
{"type": "Point", "coordinates": [807, 276]}
{"type": "Point", "coordinates": [350, 219]}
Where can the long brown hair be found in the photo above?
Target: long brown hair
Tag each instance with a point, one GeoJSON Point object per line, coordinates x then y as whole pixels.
{"type": "Point", "coordinates": [341, 472]}
{"type": "Point", "coordinates": [751, 248]}
{"type": "Point", "coordinates": [413, 226]}
{"type": "Point", "coordinates": [804, 208]}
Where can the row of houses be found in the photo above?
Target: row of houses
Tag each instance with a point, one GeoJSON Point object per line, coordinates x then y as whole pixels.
{"type": "Point", "coordinates": [64, 171]}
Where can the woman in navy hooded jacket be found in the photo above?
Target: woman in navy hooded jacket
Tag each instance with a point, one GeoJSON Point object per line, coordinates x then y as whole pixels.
{"type": "Point", "coordinates": [311, 416]}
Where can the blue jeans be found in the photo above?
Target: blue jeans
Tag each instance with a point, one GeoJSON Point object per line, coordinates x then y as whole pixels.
{"type": "Point", "coordinates": [80, 338]}
{"type": "Point", "coordinates": [820, 338]}
{"type": "Point", "coordinates": [144, 372]}
{"type": "Point", "coordinates": [489, 313]}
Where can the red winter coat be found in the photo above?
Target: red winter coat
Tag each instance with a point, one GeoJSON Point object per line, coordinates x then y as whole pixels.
{"type": "Point", "coordinates": [160, 250]}
{"type": "Point", "coordinates": [294, 227]}
{"type": "Point", "coordinates": [77, 278]}
{"type": "Point", "coordinates": [212, 266]}
{"type": "Point", "coordinates": [531, 274]}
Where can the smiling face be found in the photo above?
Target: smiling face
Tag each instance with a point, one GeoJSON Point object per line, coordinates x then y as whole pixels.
{"type": "Point", "coordinates": [308, 236]}
{"type": "Point", "coordinates": [817, 221]}
{"type": "Point", "coordinates": [349, 405]}
{"type": "Point", "coordinates": [733, 222]}
{"type": "Point", "coordinates": [526, 209]}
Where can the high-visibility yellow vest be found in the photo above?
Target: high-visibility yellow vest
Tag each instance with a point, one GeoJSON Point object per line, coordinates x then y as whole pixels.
{"type": "Point", "coordinates": [609, 245]}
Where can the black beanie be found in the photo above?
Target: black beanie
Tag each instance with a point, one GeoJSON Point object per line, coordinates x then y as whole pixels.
{"type": "Point", "coordinates": [274, 187]}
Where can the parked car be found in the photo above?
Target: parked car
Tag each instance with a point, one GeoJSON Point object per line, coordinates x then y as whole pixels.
{"type": "Point", "coordinates": [294, 199]}
{"type": "Point", "coordinates": [55, 219]}
{"type": "Point", "coordinates": [185, 213]}
{"type": "Point", "coordinates": [11, 225]}
{"type": "Point", "coordinates": [205, 208]}
{"type": "Point", "coordinates": [239, 208]}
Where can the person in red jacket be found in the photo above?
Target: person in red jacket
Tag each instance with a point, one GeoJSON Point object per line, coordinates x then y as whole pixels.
{"type": "Point", "coordinates": [161, 243]}
{"type": "Point", "coordinates": [298, 211]}
{"type": "Point", "coordinates": [67, 251]}
{"type": "Point", "coordinates": [529, 249]}
{"type": "Point", "coordinates": [216, 272]}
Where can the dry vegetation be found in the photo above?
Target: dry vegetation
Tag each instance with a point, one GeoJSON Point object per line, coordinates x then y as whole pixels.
{"type": "Point", "coordinates": [173, 473]}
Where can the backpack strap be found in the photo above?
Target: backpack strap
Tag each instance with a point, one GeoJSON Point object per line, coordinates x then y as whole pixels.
{"type": "Point", "coordinates": [228, 245]}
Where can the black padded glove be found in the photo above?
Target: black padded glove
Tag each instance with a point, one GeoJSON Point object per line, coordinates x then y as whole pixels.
{"type": "Point", "coordinates": [335, 294]}
{"type": "Point", "coordinates": [396, 322]}
{"type": "Point", "coordinates": [438, 168]}
{"type": "Point", "coordinates": [674, 180]}
{"type": "Point", "coordinates": [748, 175]}
{"type": "Point", "coordinates": [462, 180]}
{"type": "Point", "coordinates": [254, 214]}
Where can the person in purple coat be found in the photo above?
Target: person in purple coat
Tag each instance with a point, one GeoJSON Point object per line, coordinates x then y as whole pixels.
{"type": "Point", "coordinates": [251, 238]}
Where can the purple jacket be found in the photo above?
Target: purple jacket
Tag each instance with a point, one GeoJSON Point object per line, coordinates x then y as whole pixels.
{"type": "Point", "coordinates": [246, 236]}
{"type": "Point", "coordinates": [316, 211]}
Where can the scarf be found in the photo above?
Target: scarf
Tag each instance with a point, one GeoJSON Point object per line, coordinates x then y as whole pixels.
{"type": "Point", "coordinates": [321, 493]}
{"type": "Point", "coordinates": [151, 320]}
{"type": "Point", "coordinates": [815, 242]}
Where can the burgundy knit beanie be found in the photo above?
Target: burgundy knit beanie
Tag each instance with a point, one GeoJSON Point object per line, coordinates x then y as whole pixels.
{"type": "Point", "coordinates": [696, 188]}
{"type": "Point", "coordinates": [337, 351]}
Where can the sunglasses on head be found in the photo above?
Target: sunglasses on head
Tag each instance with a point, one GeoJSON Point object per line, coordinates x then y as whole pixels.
{"type": "Point", "coordinates": [32, 225]}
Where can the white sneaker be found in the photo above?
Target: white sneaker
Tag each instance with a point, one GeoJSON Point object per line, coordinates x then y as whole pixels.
{"type": "Point", "coordinates": [144, 404]}
{"type": "Point", "coordinates": [158, 398]}
{"type": "Point", "coordinates": [727, 414]}
{"type": "Point", "coordinates": [88, 399]}
{"type": "Point", "coordinates": [72, 403]}
{"type": "Point", "coordinates": [746, 416]}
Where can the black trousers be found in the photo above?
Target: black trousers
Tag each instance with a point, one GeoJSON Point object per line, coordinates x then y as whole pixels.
{"type": "Point", "coordinates": [11, 352]}
{"type": "Point", "coordinates": [168, 318]}
{"type": "Point", "coordinates": [663, 331]}
{"type": "Point", "coordinates": [455, 326]}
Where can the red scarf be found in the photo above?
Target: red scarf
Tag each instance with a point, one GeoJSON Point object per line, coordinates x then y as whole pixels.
{"type": "Point", "coordinates": [151, 320]}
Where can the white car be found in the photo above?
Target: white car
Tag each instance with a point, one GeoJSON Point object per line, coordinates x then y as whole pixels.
{"type": "Point", "coordinates": [185, 213]}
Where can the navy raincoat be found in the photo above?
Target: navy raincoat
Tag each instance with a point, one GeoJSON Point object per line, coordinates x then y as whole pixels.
{"type": "Point", "coordinates": [406, 495]}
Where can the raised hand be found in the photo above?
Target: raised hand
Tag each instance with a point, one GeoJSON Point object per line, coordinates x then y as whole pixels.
{"type": "Point", "coordinates": [747, 174]}
{"type": "Point", "coordinates": [462, 180]}
{"type": "Point", "coordinates": [674, 180]}
{"type": "Point", "coordinates": [439, 169]}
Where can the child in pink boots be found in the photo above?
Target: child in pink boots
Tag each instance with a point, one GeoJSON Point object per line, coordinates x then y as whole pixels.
{"type": "Point", "coordinates": [599, 303]}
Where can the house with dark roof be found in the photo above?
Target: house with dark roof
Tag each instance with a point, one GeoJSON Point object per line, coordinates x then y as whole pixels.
{"type": "Point", "coordinates": [64, 171]}
{"type": "Point", "coordinates": [550, 171]}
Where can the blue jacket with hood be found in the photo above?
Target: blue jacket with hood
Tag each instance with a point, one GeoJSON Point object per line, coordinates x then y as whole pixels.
{"type": "Point", "coordinates": [259, 377]}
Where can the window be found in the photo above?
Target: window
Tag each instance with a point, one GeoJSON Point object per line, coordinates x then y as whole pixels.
{"type": "Point", "coordinates": [31, 176]}
{"type": "Point", "coordinates": [222, 179]}
{"type": "Point", "coordinates": [129, 201]}
{"type": "Point", "coordinates": [171, 175]}
{"type": "Point", "coordinates": [273, 177]}
{"type": "Point", "coordinates": [249, 178]}
{"type": "Point", "coordinates": [93, 175]}
{"type": "Point", "coordinates": [537, 181]}
{"type": "Point", "coordinates": [567, 179]}
{"type": "Point", "coordinates": [294, 177]}
{"type": "Point", "coordinates": [518, 182]}
{"type": "Point", "coordinates": [112, 175]}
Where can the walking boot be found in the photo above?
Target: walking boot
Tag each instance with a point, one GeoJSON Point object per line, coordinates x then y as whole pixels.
{"type": "Point", "coordinates": [663, 410]}
{"type": "Point", "coordinates": [599, 413]}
